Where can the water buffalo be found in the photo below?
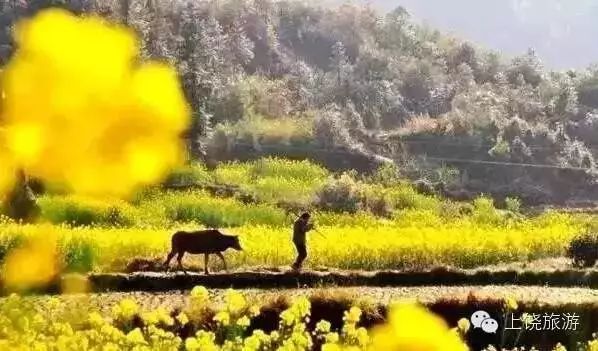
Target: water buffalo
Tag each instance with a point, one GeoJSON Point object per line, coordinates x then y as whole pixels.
{"type": "Point", "coordinates": [206, 242]}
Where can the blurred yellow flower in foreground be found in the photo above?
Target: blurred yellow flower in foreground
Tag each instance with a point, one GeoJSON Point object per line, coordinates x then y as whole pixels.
{"type": "Point", "coordinates": [75, 284]}
{"type": "Point", "coordinates": [7, 171]}
{"type": "Point", "coordinates": [411, 327]}
{"type": "Point", "coordinates": [103, 122]}
{"type": "Point", "coordinates": [31, 265]}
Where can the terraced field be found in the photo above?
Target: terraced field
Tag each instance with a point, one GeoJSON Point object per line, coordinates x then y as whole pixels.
{"type": "Point", "coordinates": [455, 258]}
{"type": "Point", "coordinates": [450, 303]}
{"type": "Point", "coordinates": [173, 299]}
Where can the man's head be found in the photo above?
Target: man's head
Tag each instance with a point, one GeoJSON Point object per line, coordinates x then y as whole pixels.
{"type": "Point", "coordinates": [305, 216]}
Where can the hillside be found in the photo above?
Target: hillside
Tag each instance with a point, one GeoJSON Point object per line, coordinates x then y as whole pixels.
{"type": "Point", "coordinates": [351, 88]}
{"type": "Point", "coordinates": [560, 31]}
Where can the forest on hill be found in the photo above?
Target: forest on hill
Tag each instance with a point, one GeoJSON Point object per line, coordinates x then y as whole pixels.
{"type": "Point", "coordinates": [352, 88]}
{"type": "Point", "coordinates": [562, 32]}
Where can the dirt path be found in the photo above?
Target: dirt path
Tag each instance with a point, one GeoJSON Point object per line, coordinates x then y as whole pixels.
{"type": "Point", "coordinates": [160, 281]}
{"type": "Point", "coordinates": [169, 300]}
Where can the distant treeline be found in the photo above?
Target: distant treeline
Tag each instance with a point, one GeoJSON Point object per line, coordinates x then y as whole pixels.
{"type": "Point", "coordinates": [292, 73]}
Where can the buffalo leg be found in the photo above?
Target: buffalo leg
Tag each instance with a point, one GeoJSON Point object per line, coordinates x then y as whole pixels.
{"type": "Point", "coordinates": [168, 259]}
{"type": "Point", "coordinates": [179, 259]}
{"type": "Point", "coordinates": [205, 263]}
{"type": "Point", "coordinates": [223, 260]}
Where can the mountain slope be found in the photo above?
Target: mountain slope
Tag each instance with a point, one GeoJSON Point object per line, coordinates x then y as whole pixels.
{"type": "Point", "coordinates": [562, 32]}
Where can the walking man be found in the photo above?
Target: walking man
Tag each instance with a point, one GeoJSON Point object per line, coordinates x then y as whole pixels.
{"type": "Point", "coordinates": [300, 228]}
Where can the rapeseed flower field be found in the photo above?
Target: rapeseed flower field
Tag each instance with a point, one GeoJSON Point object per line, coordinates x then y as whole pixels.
{"type": "Point", "coordinates": [415, 240]}
{"type": "Point", "coordinates": [25, 325]}
{"type": "Point", "coordinates": [78, 135]}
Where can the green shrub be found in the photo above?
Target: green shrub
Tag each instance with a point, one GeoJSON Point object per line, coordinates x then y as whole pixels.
{"type": "Point", "coordinates": [450, 209]}
{"type": "Point", "coordinates": [583, 250]}
{"type": "Point", "coordinates": [361, 219]}
{"type": "Point", "coordinates": [80, 211]}
{"type": "Point", "coordinates": [345, 194]}
{"type": "Point", "coordinates": [387, 175]}
{"type": "Point", "coordinates": [145, 194]}
{"type": "Point", "coordinates": [79, 255]}
{"type": "Point", "coordinates": [272, 190]}
{"type": "Point", "coordinates": [513, 204]}
{"type": "Point", "coordinates": [282, 168]}
{"type": "Point", "coordinates": [377, 200]}
{"type": "Point", "coordinates": [404, 196]}
{"type": "Point", "coordinates": [9, 241]}
{"type": "Point", "coordinates": [379, 206]}
{"type": "Point", "coordinates": [255, 128]}
{"type": "Point", "coordinates": [273, 180]}
{"type": "Point", "coordinates": [233, 173]}
{"type": "Point", "coordinates": [192, 174]}
{"type": "Point", "coordinates": [340, 195]}
{"type": "Point", "coordinates": [484, 211]}
{"type": "Point", "coordinates": [217, 212]}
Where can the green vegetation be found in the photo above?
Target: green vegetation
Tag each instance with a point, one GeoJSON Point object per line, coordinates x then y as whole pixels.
{"type": "Point", "coordinates": [416, 239]}
{"type": "Point", "coordinates": [293, 79]}
{"type": "Point", "coordinates": [583, 250]}
{"type": "Point", "coordinates": [339, 91]}
{"type": "Point", "coordinates": [234, 194]}
{"type": "Point", "coordinates": [79, 211]}
{"type": "Point", "coordinates": [368, 223]}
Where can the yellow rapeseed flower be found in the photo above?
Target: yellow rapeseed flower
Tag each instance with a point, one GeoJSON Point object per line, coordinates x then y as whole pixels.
{"type": "Point", "coordinates": [95, 319]}
{"type": "Point", "coordinates": [164, 317]}
{"type": "Point", "coordinates": [9, 166]}
{"type": "Point", "coordinates": [222, 317]}
{"type": "Point", "coordinates": [254, 310]}
{"type": "Point", "coordinates": [323, 326]}
{"type": "Point", "coordinates": [363, 337]}
{"type": "Point", "coordinates": [191, 344]}
{"type": "Point", "coordinates": [331, 347]}
{"type": "Point", "coordinates": [32, 265]}
{"type": "Point", "coordinates": [75, 284]}
{"type": "Point", "coordinates": [136, 337]}
{"type": "Point", "coordinates": [243, 322]}
{"type": "Point", "coordinates": [332, 338]}
{"type": "Point", "coordinates": [110, 347]}
{"type": "Point", "coordinates": [199, 296]}
{"type": "Point", "coordinates": [77, 132]}
{"type": "Point", "coordinates": [205, 341]}
{"type": "Point", "coordinates": [353, 315]}
{"type": "Point", "coordinates": [150, 318]}
{"type": "Point", "coordinates": [125, 310]}
{"type": "Point", "coordinates": [182, 318]}
{"type": "Point", "coordinates": [463, 325]}
{"type": "Point", "coordinates": [235, 301]}
{"type": "Point", "coordinates": [511, 303]}
{"type": "Point", "coordinates": [411, 327]}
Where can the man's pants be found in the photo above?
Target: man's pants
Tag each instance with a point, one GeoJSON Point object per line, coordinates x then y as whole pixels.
{"type": "Point", "coordinates": [301, 254]}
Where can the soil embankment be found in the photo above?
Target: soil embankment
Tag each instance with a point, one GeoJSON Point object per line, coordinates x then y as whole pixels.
{"type": "Point", "coordinates": [161, 281]}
